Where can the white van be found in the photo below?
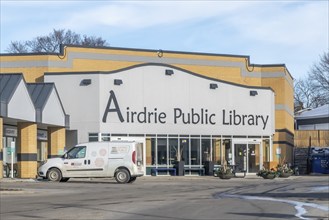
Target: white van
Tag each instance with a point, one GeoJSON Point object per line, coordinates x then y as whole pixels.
{"type": "Point", "coordinates": [120, 159]}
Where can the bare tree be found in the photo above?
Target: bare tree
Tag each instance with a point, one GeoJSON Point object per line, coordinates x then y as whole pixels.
{"type": "Point", "coordinates": [17, 47]}
{"type": "Point", "coordinates": [313, 91]}
{"type": "Point", "coordinates": [319, 74]}
{"type": "Point", "coordinates": [51, 43]}
{"type": "Point", "coordinates": [93, 41]}
{"type": "Point", "coordinates": [303, 93]}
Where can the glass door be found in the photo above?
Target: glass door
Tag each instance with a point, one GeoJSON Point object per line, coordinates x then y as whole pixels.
{"type": "Point", "coordinates": [253, 160]}
{"type": "Point", "coordinates": [247, 156]}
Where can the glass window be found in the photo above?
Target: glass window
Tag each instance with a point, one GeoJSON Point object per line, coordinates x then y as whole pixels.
{"type": "Point", "coordinates": [77, 152]}
{"type": "Point", "coordinates": [228, 151]}
{"type": "Point", "coordinates": [93, 137]}
{"type": "Point", "coordinates": [105, 137]}
{"type": "Point", "coordinates": [150, 151]}
{"type": "Point", "coordinates": [216, 147]}
{"type": "Point", "coordinates": [173, 151]}
{"type": "Point", "coordinates": [206, 150]}
{"type": "Point", "coordinates": [162, 151]}
{"type": "Point", "coordinates": [42, 151]}
{"type": "Point", "coordinates": [195, 151]}
{"type": "Point", "coordinates": [266, 150]}
{"type": "Point", "coordinates": [185, 151]}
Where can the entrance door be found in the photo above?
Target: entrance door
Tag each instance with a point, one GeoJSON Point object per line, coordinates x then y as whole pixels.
{"type": "Point", "coordinates": [253, 158]}
{"type": "Point", "coordinates": [247, 156]}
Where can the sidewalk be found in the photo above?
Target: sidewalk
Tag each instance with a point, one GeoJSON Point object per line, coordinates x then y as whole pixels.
{"type": "Point", "coordinates": [17, 180]}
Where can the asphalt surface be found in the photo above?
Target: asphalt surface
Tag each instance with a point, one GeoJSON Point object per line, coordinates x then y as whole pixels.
{"type": "Point", "coordinates": [297, 197]}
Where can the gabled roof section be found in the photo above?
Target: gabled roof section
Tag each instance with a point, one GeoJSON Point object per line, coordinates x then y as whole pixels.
{"type": "Point", "coordinates": [8, 85]}
{"type": "Point", "coordinates": [47, 103]}
{"type": "Point", "coordinates": [40, 93]}
{"type": "Point", "coordinates": [320, 112]}
{"type": "Point", "coordinates": [13, 96]}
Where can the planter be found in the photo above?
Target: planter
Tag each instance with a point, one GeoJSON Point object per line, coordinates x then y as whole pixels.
{"type": "Point", "coordinates": [285, 175]}
{"type": "Point", "coordinates": [269, 176]}
{"type": "Point", "coordinates": [225, 176]}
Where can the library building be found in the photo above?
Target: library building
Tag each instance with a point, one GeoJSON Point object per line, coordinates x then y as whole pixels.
{"type": "Point", "coordinates": [200, 108]}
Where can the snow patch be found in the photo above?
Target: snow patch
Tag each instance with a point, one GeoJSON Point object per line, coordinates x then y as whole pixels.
{"type": "Point", "coordinates": [299, 206]}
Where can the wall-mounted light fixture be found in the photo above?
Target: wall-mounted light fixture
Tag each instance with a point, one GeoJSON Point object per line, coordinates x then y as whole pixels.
{"type": "Point", "coordinates": [85, 82]}
{"type": "Point", "coordinates": [169, 72]}
{"type": "Point", "coordinates": [118, 82]}
{"type": "Point", "coordinates": [213, 86]}
{"type": "Point", "coordinates": [253, 93]}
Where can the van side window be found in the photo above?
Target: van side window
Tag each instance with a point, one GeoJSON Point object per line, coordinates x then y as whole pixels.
{"type": "Point", "coordinates": [77, 152]}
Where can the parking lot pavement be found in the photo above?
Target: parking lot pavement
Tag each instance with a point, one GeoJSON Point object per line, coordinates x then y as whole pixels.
{"type": "Point", "coordinates": [166, 197]}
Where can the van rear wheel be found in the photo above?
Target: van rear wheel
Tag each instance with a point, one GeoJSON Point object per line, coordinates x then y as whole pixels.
{"type": "Point", "coordinates": [122, 176]}
{"type": "Point", "coordinates": [54, 175]}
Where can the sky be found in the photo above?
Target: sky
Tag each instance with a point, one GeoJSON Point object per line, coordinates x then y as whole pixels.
{"type": "Point", "coordinates": [294, 33]}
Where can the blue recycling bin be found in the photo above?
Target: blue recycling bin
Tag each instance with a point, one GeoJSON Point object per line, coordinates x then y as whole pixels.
{"type": "Point", "coordinates": [320, 164]}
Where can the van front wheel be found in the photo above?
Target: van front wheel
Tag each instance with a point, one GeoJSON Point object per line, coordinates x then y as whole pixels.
{"type": "Point", "coordinates": [54, 175]}
{"type": "Point", "coordinates": [122, 176]}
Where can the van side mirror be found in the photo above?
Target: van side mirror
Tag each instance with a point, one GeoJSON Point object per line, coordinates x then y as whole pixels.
{"type": "Point", "coordinates": [65, 156]}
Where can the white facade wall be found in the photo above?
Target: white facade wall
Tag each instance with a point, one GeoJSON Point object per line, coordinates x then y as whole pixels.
{"type": "Point", "coordinates": [162, 95]}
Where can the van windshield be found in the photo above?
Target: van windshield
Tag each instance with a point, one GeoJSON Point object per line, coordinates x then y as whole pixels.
{"type": "Point", "coordinates": [76, 152]}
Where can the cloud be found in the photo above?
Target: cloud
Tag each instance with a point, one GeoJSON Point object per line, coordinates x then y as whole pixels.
{"type": "Point", "coordinates": [291, 32]}
{"type": "Point", "coordinates": [270, 22]}
{"type": "Point", "coordinates": [307, 23]}
{"type": "Point", "coordinates": [137, 15]}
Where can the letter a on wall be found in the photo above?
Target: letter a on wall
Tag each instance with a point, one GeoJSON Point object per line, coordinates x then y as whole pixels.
{"type": "Point", "coordinates": [115, 109]}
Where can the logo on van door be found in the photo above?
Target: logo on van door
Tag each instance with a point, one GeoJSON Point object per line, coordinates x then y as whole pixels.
{"type": "Point", "coordinates": [120, 150]}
